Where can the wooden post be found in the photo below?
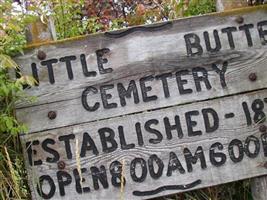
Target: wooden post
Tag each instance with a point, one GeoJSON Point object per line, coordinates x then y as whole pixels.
{"type": "Point", "coordinates": [39, 32]}
{"type": "Point", "coordinates": [259, 188]}
{"type": "Point", "coordinates": [259, 184]}
{"type": "Point", "coordinates": [222, 5]}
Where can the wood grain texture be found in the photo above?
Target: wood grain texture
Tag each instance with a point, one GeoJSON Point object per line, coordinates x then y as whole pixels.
{"type": "Point", "coordinates": [228, 130]}
{"type": "Point", "coordinates": [258, 188]}
{"type": "Point", "coordinates": [140, 54]}
{"type": "Point", "coordinates": [149, 52]}
{"type": "Point", "coordinates": [70, 112]}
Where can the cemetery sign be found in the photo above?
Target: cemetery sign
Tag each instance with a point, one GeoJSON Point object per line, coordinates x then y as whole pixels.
{"type": "Point", "coordinates": [150, 110]}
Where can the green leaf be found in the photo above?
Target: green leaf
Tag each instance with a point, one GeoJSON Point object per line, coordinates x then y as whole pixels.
{"type": "Point", "coordinates": [26, 80]}
{"type": "Point", "coordinates": [4, 91]}
{"type": "Point", "coordinates": [9, 123]}
{"type": "Point", "coordinates": [6, 62]}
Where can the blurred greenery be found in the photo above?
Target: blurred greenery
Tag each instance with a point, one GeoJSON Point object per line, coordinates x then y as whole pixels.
{"type": "Point", "coordinates": [200, 7]}
{"type": "Point", "coordinates": [13, 178]}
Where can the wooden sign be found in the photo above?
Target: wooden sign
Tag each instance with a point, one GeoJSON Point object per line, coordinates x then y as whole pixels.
{"type": "Point", "coordinates": [148, 111]}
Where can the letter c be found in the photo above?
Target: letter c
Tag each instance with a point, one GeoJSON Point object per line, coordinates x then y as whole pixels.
{"type": "Point", "coordinates": [84, 99]}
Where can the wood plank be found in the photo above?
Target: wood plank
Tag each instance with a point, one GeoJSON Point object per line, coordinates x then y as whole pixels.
{"type": "Point", "coordinates": [258, 188]}
{"type": "Point", "coordinates": [137, 53]}
{"type": "Point", "coordinates": [232, 128]}
{"type": "Point", "coordinates": [258, 185]}
{"type": "Point", "coordinates": [70, 112]}
{"type": "Point", "coordinates": [140, 52]}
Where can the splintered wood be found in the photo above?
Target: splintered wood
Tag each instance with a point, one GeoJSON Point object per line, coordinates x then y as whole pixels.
{"type": "Point", "coordinates": [150, 110]}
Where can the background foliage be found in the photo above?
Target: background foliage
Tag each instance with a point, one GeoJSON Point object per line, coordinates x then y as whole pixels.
{"type": "Point", "coordinates": [74, 18]}
{"type": "Point", "coordinates": [12, 39]}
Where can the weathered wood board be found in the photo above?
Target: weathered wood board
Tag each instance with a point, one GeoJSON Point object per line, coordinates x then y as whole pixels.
{"type": "Point", "coordinates": [145, 57]}
{"type": "Point", "coordinates": [170, 107]}
{"type": "Point", "coordinates": [164, 151]}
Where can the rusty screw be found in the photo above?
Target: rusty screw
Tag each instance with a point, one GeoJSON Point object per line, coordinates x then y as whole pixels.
{"type": "Point", "coordinates": [52, 115]}
{"type": "Point", "coordinates": [41, 55]}
{"type": "Point", "coordinates": [239, 19]}
{"type": "Point", "coordinates": [252, 77]}
{"type": "Point", "coordinates": [263, 128]}
{"type": "Point", "coordinates": [61, 165]}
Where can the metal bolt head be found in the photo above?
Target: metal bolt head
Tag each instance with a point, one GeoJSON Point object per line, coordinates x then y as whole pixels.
{"type": "Point", "coordinates": [252, 77]}
{"type": "Point", "coordinates": [52, 115]}
{"type": "Point", "coordinates": [263, 128]}
{"type": "Point", "coordinates": [41, 55]}
{"type": "Point", "coordinates": [61, 165]}
{"type": "Point", "coordinates": [239, 19]}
